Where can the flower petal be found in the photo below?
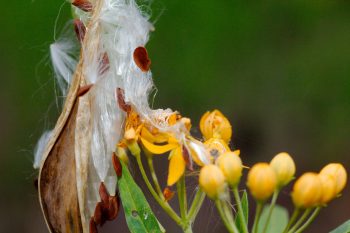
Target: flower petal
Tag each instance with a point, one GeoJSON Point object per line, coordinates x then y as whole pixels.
{"type": "Point", "coordinates": [155, 149]}
{"type": "Point", "coordinates": [176, 166]}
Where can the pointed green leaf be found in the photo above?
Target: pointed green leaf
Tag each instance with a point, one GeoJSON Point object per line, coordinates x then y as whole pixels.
{"type": "Point", "coordinates": [245, 207]}
{"type": "Point", "coordinates": [278, 220]}
{"type": "Point", "coordinates": [343, 228]}
{"type": "Point", "coordinates": [138, 213]}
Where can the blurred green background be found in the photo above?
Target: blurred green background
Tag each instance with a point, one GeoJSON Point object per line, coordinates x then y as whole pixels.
{"type": "Point", "coordinates": [278, 69]}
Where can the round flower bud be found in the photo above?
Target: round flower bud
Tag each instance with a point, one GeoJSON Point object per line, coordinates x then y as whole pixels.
{"type": "Point", "coordinates": [307, 191]}
{"type": "Point", "coordinates": [231, 165]}
{"type": "Point", "coordinates": [212, 181]}
{"type": "Point", "coordinates": [284, 167]}
{"type": "Point", "coordinates": [338, 172]}
{"type": "Point", "coordinates": [215, 125]}
{"type": "Point", "coordinates": [261, 181]}
{"type": "Point", "coordinates": [328, 188]}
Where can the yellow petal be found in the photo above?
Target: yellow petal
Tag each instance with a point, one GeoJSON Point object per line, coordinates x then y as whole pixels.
{"type": "Point", "coordinates": [158, 138]}
{"type": "Point", "coordinates": [176, 166]}
{"type": "Point", "coordinates": [156, 149]}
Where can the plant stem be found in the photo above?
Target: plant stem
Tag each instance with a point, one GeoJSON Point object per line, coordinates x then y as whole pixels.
{"type": "Point", "coordinates": [224, 217]}
{"type": "Point", "coordinates": [309, 221]}
{"type": "Point", "coordinates": [181, 191]}
{"type": "Point", "coordinates": [196, 205]}
{"type": "Point", "coordinates": [154, 176]}
{"type": "Point", "coordinates": [292, 219]}
{"type": "Point", "coordinates": [240, 210]}
{"type": "Point", "coordinates": [300, 221]}
{"type": "Point", "coordinates": [258, 211]}
{"type": "Point", "coordinates": [167, 208]}
{"type": "Point", "coordinates": [272, 206]}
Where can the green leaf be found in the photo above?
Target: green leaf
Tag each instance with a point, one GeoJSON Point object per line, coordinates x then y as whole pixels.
{"type": "Point", "coordinates": [343, 228]}
{"type": "Point", "coordinates": [138, 213]}
{"type": "Point", "coordinates": [245, 207]}
{"type": "Point", "coordinates": [278, 220]}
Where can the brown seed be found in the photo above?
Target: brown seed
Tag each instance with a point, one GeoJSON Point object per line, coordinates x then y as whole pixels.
{"type": "Point", "coordinates": [116, 165]}
{"type": "Point", "coordinates": [141, 59]}
{"type": "Point", "coordinates": [188, 160]}
{"type": "Point", "coordinates": [93, 227]}
{"type": "Point", "coordinates": [98, 214]}
{"type": "Point", "coordinates": [113, 208]}
{"type": "Point", "coordinates": [104, 194]}
{"type": "Point", "coordinates": [121, 101]}
{"type": "Point", "coordinates": [79, 29]}
{"type": "Point", "coordinates": [83, 5]}
{"type": "Point", "coordinates": [84, 89]}
{"type": "Point", "coordinates": [104, 63]}
{"type": "Point", "coordinates": [168, 194]}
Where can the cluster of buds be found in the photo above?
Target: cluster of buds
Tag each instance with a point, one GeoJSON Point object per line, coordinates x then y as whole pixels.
{"type": "Point", "coordinates": [317, 189]}
{"type": "Point", "coordinates": [310, 191]}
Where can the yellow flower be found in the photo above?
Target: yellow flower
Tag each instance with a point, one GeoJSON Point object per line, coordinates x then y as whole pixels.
{"type": "Point", "coordinates": [215, 125]}
{"type": "Point", "coordinates": [212, 181]}
{"type": "Point", "coordinates": [284, 167]}
{"type": "Point", "coordinates": [328, 188]}
{"type": "Point", "coordinates": [231, 166]}
{"type": "Point", "coordinates": [261, 181]}
{"type": "Point", "coordinates": [307, 191]}
{"type": "Point", "coordinates": [337, 171]}
{"type": "Point", "coordinates": [216, 147]}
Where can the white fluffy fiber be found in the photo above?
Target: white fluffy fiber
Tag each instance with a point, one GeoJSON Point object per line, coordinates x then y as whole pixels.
{"type": "Point", "coordinates": [40, 147]}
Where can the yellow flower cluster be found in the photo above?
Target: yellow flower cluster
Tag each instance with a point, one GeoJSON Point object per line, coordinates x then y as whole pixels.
{"type": "Point", "coordinates": [310, 190]}
{"type": "Point", "coordinates": [317, 189]}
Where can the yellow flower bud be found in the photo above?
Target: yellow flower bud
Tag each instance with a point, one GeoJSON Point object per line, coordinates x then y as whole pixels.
{"type": "Point", "coordinates": [212, 181]}
{"type": "Point", "coordinates": [122, 154]}
{"type": "Point", "coordinates": [307, 191]}
{"type": "Point", "coordinates": [215, 125]}
{"type": "Point", "coordinates": [284, 167]}
{"type": "Point", "coordinates": [328, 188]}
{"type": "Point", "coordinates": [231, 165]}
{"type": "Point", "coordinates": [216, 147]}
{"type": "Point", "coordinates": [338, 172]}
{"type": "Point", "coordinates": [261, 181]}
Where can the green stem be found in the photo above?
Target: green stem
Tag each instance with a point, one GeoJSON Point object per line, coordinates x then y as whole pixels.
{"type": "Point", "coordinates": [292, 219]}
{"type": "Point", "coordinates": [240, 210]}
{"type": "Point", "coordinates": [167, 208]}
{"type": "Point", "coordinates": [196, 205]}
{"type": "Point", "coordinates": [154, 176]}
{"type": "Point", "coordinates": [259, 207]}
{"type": "Point", "coordinates": [181, 191]}
{"type": "Point", "coordinates": [224, 217]}
{"type": "Point", "coordinates": [272, 206]}
{"type": "Point", "coordinates": [300, 221]}
{"type": "Point", "coordinates": [309, 221]}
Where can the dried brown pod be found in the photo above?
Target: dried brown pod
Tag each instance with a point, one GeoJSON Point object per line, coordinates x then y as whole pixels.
{"type": "Point", "coordinates": [58, 184]}
{"type": "Point", "coordinates": [79, 29]}
{"type": "Point", "coordinates": [83, 5]}
{"type": "Point", "coordinates": [141, 58]}
{"type": "Point", "coordinates": [121, 101]}
{"type": "Point", "coordinates": [168, 194]}
{"type": "Point", "coordinates": [116, 165]}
